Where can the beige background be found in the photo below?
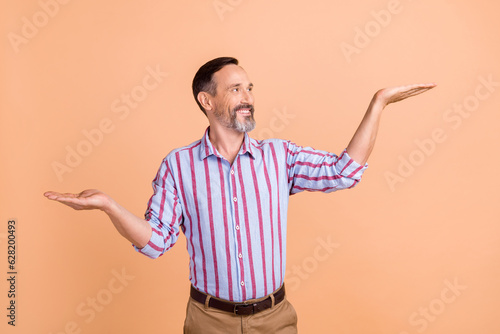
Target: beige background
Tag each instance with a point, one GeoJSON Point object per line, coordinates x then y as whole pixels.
{"type": "Point", "coordinates": [398, 244]}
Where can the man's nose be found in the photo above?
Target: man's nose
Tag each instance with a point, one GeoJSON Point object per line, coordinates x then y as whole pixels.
{"type": "Point", "coordinates": [247, 97]}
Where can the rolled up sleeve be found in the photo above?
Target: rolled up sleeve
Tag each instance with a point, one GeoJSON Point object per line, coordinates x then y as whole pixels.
{"type": "Point", "coordinates": [164, 214]}
{"type": "Point", "coordinates": [316, 170]}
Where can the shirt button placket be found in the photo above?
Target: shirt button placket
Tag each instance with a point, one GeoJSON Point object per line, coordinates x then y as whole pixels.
{"type": "Point", "coordinates": [237, 226]}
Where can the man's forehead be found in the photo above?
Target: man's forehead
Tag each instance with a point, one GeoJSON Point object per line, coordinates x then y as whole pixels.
{"type": "Point", "coordinates": [231, 75]}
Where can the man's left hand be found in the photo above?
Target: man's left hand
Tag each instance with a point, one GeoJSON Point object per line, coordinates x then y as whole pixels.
{"type": "Point", "coordinates": [395, 94]}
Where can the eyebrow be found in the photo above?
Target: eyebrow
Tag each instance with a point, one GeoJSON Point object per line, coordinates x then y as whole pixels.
{"type": "Point", "coordinates": [238, 85]}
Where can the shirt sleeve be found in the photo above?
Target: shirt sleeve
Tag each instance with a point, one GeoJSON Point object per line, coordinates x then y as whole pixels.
{"type": "Point", "coordinates": [164, 214]}
{"type": "Point", "coordinates": [315, 170]}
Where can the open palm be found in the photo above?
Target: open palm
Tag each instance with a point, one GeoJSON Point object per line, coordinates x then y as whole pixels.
{"type": "Point", "coordinates": [395, 94]}
{"type": "Point", "coordinates": [86, 200]}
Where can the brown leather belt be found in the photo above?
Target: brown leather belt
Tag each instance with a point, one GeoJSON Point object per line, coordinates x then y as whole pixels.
{"type": "Point", "coordinates": [239, 308]}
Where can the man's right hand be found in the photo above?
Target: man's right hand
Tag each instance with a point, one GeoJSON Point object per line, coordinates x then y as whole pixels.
{"type": "Point", "coordinates": [89, 199]}
{"type": "Point", "coordinates": [136, 230]}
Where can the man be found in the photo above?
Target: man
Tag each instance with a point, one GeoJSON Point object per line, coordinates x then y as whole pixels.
{"type": "Point", "coordinates": [228, 193]}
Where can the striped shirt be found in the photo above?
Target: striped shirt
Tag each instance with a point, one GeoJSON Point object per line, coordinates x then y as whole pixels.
{"type": "Point", "coordinates": [234, 216]}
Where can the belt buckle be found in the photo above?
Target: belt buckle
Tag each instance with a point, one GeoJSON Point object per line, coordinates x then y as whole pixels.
{"type": "Point", "coordinates": [244, 307]}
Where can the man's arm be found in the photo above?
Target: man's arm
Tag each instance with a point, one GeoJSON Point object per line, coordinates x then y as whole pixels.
{"type": "Point", "coordinates": [134, 229]}
{"type": "Point", "coordinates": [361, 144]}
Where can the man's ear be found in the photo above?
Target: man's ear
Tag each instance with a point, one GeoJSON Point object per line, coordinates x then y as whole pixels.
{"type": "Point", "coordinates": [205, 100]}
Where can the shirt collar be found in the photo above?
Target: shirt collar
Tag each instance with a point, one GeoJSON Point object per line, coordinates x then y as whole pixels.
{"type": "Point", "coordinates": [206, 147]}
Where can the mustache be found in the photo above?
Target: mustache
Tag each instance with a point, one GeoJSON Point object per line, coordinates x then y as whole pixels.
{"type": "Point", "coordinates": [243, 106]}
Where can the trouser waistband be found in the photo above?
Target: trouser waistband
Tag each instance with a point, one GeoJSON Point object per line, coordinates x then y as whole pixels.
{"type": "Point", "coordinates": [240, 308]}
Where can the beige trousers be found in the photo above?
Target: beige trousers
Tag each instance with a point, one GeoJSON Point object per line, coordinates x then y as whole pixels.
{"type": "Point", "coordinates": [280, 319]}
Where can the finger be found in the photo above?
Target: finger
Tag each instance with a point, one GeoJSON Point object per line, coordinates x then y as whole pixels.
{"type": "Point", "coordinates": [67, 196]}
{"type": "Point", "coordinates": [419, 87]}
{"type": "Point", "coordinates": [47, 193]}
{"type": "Point", "coordinates": [417, 91]}
{"type": "Point", "coordinates": [52, 195]}
{"type": "Point", "coordinates": [413, 93]}
{"type": "Point", "coordinates": [411, 90]}
{"type": "Point", "coordinates": [422, 85]}
{"type": "Point", "coordinates": [67, 200]}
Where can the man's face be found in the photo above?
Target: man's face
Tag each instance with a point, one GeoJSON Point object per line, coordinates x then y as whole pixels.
{"type": "Point", "coordinates": [233, 101]}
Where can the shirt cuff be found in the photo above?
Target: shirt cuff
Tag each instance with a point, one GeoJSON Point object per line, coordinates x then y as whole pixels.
{"type": "Point", "coordinates": [151, 249]}
{"type": "Point", "coordinates": [350, 168]}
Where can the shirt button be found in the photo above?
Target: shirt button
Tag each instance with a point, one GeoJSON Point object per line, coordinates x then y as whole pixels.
{"type": "Point", "coordinates": [240, 256]}
{"type": "Point", "coordinates": [237, 227]}
{"type": "Point", "coordinates": [242, 283]}
{"type": "Point", "coordinates": [235, 199]}
{"type": "Point", "coordinates": [232, 172]}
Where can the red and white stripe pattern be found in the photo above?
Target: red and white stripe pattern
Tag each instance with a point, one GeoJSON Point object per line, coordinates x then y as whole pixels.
{"type": "Point", "coordinates": [234, 216]}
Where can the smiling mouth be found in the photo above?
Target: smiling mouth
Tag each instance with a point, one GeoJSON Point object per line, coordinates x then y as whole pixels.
{"type": "Point", "coordinates": [244, 111]}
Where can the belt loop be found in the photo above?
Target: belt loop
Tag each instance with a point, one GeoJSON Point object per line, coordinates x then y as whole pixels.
{"type": "Point", "coordinates": [272, 300]}
{"type": "Point", "coordinates": [207, 302]}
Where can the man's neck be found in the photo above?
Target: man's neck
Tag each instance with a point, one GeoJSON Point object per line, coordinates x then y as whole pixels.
{"type": "Point", "coordinates": [227, 141]}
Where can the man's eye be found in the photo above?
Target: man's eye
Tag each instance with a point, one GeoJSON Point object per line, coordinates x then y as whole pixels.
{"type": "Point", "coordinates": [235, 89]}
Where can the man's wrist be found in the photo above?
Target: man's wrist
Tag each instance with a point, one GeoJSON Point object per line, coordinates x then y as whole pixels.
{"type": "Point", "coordinates": [379, 101]}
{"type": "Point", "coordinates": [110, 206]}
{"type": "Point", "coordinates": [377, 105]}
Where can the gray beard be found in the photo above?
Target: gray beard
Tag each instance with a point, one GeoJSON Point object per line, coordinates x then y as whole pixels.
{"type": "Point", "coordinates": [233, 123]}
